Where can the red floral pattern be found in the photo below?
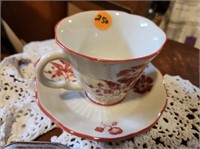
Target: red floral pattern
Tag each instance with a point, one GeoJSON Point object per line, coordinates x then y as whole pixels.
{"type": "Point", "coordinates": [61, 69]}
{"type": "Point", "coordinates": [112, 129]}
{"type": "Point", "coordinates": [126, 80]}
{"type": "Point", "coordinates": [129, 76]}
{"type": "Point", "coordinates": [143, 85]}
{"type": "Point", "coordinates": [106, 87]}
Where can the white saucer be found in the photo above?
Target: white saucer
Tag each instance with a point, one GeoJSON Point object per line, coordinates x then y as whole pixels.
{"type": "Point", "coordinates": [74, 113]}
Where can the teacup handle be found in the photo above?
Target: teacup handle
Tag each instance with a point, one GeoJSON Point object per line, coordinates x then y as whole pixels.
{"type": "Point", "coordinates": [39, 72]}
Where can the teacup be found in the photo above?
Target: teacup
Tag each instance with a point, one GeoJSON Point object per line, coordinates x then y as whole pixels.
{"type": "Point", "coordinates": [108, 51]}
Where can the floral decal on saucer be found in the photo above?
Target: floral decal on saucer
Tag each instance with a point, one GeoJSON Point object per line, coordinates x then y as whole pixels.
{"type": "Point", "coordinates": [111, 129]}
{"type": "Point", "coordinates": [60, 69]}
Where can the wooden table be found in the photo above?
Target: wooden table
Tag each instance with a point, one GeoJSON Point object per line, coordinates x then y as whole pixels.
{"type": "Point", "coordinates": [179, 59]}
{"type": "Point", "coordinates": [174, 59]}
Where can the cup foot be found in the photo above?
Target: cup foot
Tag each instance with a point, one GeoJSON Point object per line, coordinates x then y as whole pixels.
{"type": "Point", "coordinates": [102, 103]}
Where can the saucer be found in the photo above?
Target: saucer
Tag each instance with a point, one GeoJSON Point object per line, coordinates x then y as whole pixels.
{"type": "Point", "coordinates": [73, 112]}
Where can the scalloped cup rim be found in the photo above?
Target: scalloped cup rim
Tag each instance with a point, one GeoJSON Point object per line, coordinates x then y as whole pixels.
{"type": "Point", "coordinates": [61, 41]}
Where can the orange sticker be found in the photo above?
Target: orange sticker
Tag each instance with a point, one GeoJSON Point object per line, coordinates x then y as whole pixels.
{"type": "Point", "coordinates": [102, 20]}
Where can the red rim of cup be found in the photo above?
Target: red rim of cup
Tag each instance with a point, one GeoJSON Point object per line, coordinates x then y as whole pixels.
{"type": "Point", "coordinates": [106, 60]}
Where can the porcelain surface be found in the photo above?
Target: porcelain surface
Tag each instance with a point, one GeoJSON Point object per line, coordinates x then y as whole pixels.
{"type": "Point", "coordinates": [130, 36]}
{"type": "Point", "coordinates": [73, 112]}
{"type": "Point", "coordinates": [108, 61]}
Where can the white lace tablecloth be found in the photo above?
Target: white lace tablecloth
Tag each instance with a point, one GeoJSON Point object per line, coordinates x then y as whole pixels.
{"type": "Point", "coordinates": [22, 120]}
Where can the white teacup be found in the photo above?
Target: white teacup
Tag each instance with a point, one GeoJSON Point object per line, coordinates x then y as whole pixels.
{"type": "Point", "coordinates": [107, 50]}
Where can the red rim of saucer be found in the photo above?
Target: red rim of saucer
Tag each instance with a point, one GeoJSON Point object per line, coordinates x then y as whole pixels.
{"type": "Point", "coordinates": [106, 60]}
{"type": "Point", "coordinates": [93, 137]}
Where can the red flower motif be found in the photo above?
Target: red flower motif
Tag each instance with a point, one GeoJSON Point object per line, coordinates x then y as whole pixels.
{"type": "Point", "coordinates": [100, 84]}
{"type": "Point", "coordinates": [105, 87]}
{"type": "Point", "coordinates": [99, 94]}
{"type": "Point", "coordinates": [61, 69]}
{"type": "Point", "coordinates": [99, 129]}
{"type": "Point", "coordinates": [114, 123]}
{"type": "Point", "coordinates": [112, 130]}
{"type": "Point", "coordinates": [115, 130]}
{"type": "Point", "coordinates": [91, 86]}
{"type": "Point", "coordinates": [112, 85]}
{"type": "Point", "coordinates": [143, 85]}
{"type": "Point", "coordinates": [129, 76]}
{"type": "Point", "coordinates": [131, 71]}
{"type": "Point", "coordinates": [97, 91]}
{"type": "Point", "coordinates": [126, 80]}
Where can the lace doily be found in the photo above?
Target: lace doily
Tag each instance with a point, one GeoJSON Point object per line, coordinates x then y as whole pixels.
{"type": "Point", "coordinates": [22, 120]}
{"type": "Point", "coordinates": [20, 117]}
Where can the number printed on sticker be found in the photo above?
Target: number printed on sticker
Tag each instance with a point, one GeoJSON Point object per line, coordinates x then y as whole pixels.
{"type": "Point", "coordinates": [103, 20]}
